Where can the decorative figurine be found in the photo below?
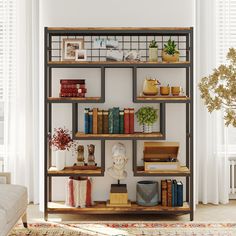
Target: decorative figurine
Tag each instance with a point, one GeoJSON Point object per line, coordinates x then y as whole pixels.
{"type": "Point", "coordinates": [80, 155]}
{"type": "Point", "coordinates": [91, 158]}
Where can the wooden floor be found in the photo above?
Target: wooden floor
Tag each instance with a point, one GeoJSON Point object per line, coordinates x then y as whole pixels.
{"type": "Point", "coordinates": [204, 213]}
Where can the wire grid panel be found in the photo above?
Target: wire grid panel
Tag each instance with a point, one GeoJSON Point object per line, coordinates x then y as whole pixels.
{"type": "Point", "coordinates": [126, 43]}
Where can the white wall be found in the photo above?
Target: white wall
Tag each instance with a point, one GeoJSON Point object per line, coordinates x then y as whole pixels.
{"type": "Point", "coordinates": [111, 13]}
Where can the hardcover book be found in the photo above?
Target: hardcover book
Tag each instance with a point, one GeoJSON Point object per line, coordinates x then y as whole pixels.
{"type": "Point", "coordinates": [126, 121]}
{"type": "Point", "coordinates": [110, 121]}
{"type": "Point", "coordinates": [121, 120]}
{"type": "Point", "coordinates": [100, 122]}
{"type": "Point", "coordinates": [163, 192]}
{"type": "Point", "coordinates": [174, 193]}
{"type": "Point", "coordinates": [131, 120]}
{"type": "Point", "coordinates": [179, 193]}
{"type": "Point", "coordinates": [90, 121]}
{"type": "Point", "coordinates": [116, 116]}
{"type": "Point", "coordinates": [95, 120]}
{"type": "Point", "coordinates": [169, 192]}
{"type": "Point", "coordinates": [86, 120]}
{"type": "Point", "coordinates": [72, 81]}
{"type": "Point", "coordinates": [105, 122]}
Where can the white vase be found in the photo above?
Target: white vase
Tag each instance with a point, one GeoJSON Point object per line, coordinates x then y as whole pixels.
{"type": "Point", "coordinates": [153, 54]}
{"type": "Point", "coordinates": [147, 128]}
{"type": "Point", "coordinates": [60, 159]}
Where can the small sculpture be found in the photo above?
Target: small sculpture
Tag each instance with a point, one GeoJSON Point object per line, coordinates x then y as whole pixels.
{"type": "Point", "coordinates": [80, 155]}
{"type": "Point", "coordinates": [132, 56]}
{"type": "Point", "coordinates": [117, 171]}
{"type": "Point", "coordinates": [91, 157]}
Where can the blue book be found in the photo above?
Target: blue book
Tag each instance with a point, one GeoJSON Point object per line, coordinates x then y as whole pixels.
{"type": "Point", "coordinates": [90, 121]}
{"type": "Point", "coordinates": [174, 193]}
{"type": "Point", "coordinates": [86, 120]}
{"type": "Point", "coordinates": [179, 193]}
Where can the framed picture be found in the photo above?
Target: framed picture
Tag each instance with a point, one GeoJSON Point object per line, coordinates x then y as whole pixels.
{"type": "Point", "coordinates": [69, 48]}
{"type": "Point", "coordinates": [80, 55]}
{"type": "Point", "coordinates": [5, 178]}
{"type": "Point", "coordinates": [99, 43]}
{"type": "Point", "coordinates": [114, 55]}
{"type": "Point", "coordinates": [112, 43]}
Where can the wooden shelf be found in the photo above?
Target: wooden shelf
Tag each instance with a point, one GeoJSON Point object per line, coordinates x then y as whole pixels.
{"type": "Point", "coordinates": [74, 99]}
{"type": "Point", "coordinates": [136, 135]}
{"type": "Point", "coordinates": [170, 99]}
{"type": "Point", "coordinates": [101, 208]}
{"type": "Point", "coordinates": [182, 171]}
{"type": "Point", "coordinates": [52, 171]}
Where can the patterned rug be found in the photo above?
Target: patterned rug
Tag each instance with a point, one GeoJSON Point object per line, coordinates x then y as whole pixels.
{"type": "Point", "coordinates": [123, 229]}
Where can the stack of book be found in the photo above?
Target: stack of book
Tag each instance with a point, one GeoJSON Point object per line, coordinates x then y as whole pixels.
{"type": "Point", "coordinates": [111, 121]}
{"type": "Point", "coordinates": [73, 88]}
{"type": "Point", "coordinates": [171, 193]}
{"type": "Point", "coordinates": [160, 156]}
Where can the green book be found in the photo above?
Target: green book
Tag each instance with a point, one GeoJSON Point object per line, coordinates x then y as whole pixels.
{"type": "Point", "coordinates": [110, 121]}
{"type": "Point", "coordinates": [116, 118]}
{"type": "Point", "coordinates": [121, 121]}
{"type": "Point", "coordinates": [105, 122]}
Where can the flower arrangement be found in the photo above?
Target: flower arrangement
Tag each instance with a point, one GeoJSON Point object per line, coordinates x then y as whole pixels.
{"type": "Point", "coordinates": [147, 115]}
{"type": "Point", "coordinates": [61, 139]}
{"type": "Point", "coordinates": [219, 89]}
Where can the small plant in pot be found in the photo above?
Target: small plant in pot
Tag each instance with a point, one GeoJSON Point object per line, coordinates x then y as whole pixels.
{"type": "Point", "coordinates": [147, 116]}
{"type": "Point", "coordinates": [61, 142]}
{"type": "Point", "coordinates": [153, 51]}
{"type": "Point", "coordinates": [170, 53]}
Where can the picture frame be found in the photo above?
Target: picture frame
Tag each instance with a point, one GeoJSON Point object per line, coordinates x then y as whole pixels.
{"type": "Point", "coordinates": [69, 47]}
{"type": "Point", "coordinates": [5, 178]}
{"type": "Point", "coordinates": [81, 55]}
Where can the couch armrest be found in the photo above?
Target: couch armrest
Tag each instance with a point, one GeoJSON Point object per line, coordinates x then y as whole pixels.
{"type": "Point", "coordinates": [5, 178]}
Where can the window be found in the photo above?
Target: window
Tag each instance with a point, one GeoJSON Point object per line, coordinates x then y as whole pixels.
{"type": "Point", "coordinates": [7, 66]}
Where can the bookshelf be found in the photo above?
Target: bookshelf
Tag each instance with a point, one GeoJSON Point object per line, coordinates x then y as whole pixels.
{"type": "Point", "coordinates": [139, 36]}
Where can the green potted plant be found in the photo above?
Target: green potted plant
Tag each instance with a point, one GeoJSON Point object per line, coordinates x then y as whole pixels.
{"type": "Point", "coordinates": [153, 51]}
{"type": "Point", "coordinates": [170, 53]}
{"type": "Point", "coordinates": [218, 89]}
{"type": "Point", "coordinates": [147, 116]}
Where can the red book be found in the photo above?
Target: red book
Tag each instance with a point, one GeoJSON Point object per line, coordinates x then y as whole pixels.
{"type": "Point", "coordinates": [126, 121]}
{"type": "Point", "coordinates": [73, 90]}
{"type": "Point", "coordinates": [88, 194]}
{"type": "Point", "coordinates": [82, 95]}
{"type": "Point", "coordinates": [71, 192]}
{"type": "Point", "coordinates": [72, 81]}
{"type": "Point", "coordinates": [131, 120]}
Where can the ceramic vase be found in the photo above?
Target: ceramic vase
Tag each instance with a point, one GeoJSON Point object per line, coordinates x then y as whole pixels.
{"type": "Point", "coordinates": [170, 58]}
{"type": "Point", "coordinates": [147, 128]}
{"type": "Point", "coordinates": [153, 54]}
{"type": "Point", "coordinates": [60, 159]}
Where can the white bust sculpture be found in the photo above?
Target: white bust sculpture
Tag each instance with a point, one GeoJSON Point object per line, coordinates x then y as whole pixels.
{"type": "Point", "coordinates": [117, 171]}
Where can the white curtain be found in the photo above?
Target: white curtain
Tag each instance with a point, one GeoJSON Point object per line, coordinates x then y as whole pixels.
{"type": "Point", "coordinates": [22, 140]}
{"type": "Point", "coordinates": [212, 166]}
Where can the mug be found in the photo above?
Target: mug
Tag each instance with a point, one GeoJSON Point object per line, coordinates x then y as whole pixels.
{"type": "Point", "coordinates": [164, 90]}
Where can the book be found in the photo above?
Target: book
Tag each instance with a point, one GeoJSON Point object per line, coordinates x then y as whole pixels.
{"type": "Point", "coordinates": [131, 120]}
{"type": "Point", "coordinates": [86, 120]}
{"type": "Point", "coordinates": [95, 120]}
{"type": "Point", "coordinates": [105, 122]}
{"type": "Point", "coordinates": [179, 193]}
{"type": "Point", "coordinates": [116, 117]}
{"type": "Point", "coordinates": [72, 81]}
{"type": "Point", "coordinates": [73, 86]}
{"type": "Point", "coordinates": [121, 121]}
{"type": "Point", "coordinates": [100, 123]}
{"type": "Point", "coordinates": [110, 121]}
{"type": "Point", "coordinates": [174, 193]}
{"type": "Point", "coordinates": [90, 121]}
{"type": "Point", "coordinates": [163, 192]}
{"type": "Point", "coordinates": [81, 95]}
{"type": "Point", "coordinates": [126, 121]}
{"type": "Point", "coordinates": [169, 193]}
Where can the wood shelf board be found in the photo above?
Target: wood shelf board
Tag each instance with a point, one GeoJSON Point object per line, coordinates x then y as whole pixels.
{"type": "Point", "coordinates": [73, 99]}
{"type": "Point", "coordinates": [135, 135]}
{"type": "Point", "coordinates": [160, 98]}
{"type": "Point", "coordinates": [100, 207]}
{"type": "Point", "coordinates": [55, 172]}
{"type": "Point", "coordinates": [183, 170]}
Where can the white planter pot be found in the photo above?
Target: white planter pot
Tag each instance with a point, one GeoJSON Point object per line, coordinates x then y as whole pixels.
{"type": "Point", "coordinates": [60, 159]}
{"type": "Point", "coordinates": [147, 128]}
{"type": "Point", "coordinates": [153, 54]}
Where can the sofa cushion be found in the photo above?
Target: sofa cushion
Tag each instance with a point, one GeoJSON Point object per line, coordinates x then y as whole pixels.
{"type": "Point", "coordinates": [3, 220]}
{"type": "Point", "coordinates": [13, 199]}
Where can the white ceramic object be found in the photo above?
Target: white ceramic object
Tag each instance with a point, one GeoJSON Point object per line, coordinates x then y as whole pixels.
{"type": "Point", "coordinates": [60, 159]}
{"type": "Point", "coordinates": [147, 128]}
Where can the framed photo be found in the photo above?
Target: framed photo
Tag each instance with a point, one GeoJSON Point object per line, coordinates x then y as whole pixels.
{"type": "Point", "coordinates": [114, 55]}
{"type": "Point", "coordinates": [5, 178]}
{"type": "Point", "coordinates": [112, 43]}
{"type": "Point", "coordinates": [69, 48]}
{"type": "Point", "coordinates": [99, 43]}
{"type": "Point", "coordinates": [81, 55]}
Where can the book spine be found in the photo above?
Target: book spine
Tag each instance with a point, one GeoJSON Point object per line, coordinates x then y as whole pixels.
{"type": "Point", "coordinates": [72, 81]}
{"type": "Point", "coordinates": [131, 120]}
{"type": "Point", "coordinates": [180, 194]}
{"type": "Point", "coordinates": [173, 193]}
{"type": "Point", "coordinates": [100, 123]}
{"type": "Point", "coordinates": [121, 121]}
{"type": "Point", "coordinates": [73, 86]}
{"type": "Point", "coordinates": [163, 192]}
{"type": "Point", "coordinates": [81, 95]}
{"type": "Point", "coordinates": [105, 122]}
{"type": "Point", "coordinates": [175, 187]}
{"type": "Point", "coordinates": [90, 121]}
{"type": "Point", "coordinates": [126, 121]}
{"type": "Point", "coordinates": [116, 116]}
{"type": "Point", "coordinates": [95, 120]}
{"type": "Point", "coordinates": [86, 120]}
{"type": "Point", "coordinates": [169, 193]}
{"type": "Point", "coordinates": [110, 121]}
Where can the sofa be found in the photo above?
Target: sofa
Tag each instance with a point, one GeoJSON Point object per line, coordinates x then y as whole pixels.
{"type": "Point", "coordinates": [13, 205]}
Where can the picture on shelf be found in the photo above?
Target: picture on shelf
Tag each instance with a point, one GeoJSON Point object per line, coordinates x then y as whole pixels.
{"type": "Point", "coordinates": [114, 55]}
{"type": "Point", "coordinates": [99, 43]}
{"type": "Point", "coordinates": [69, 48]}
{"type": "Point", "coordinates": [80, 55]}
{"type": "Point", "coordinates": [112, 43]}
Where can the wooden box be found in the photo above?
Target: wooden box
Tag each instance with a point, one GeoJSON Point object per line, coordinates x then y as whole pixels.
{"type": "Point", "coordinates": [159, 166]}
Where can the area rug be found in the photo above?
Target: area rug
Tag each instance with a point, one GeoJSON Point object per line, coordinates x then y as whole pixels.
{"type": "Point", "coordinates": [123, 229]}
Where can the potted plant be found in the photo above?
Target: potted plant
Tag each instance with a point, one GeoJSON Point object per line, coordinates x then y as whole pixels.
{"type": "Point", "coordinates": [61, 142]}
{"type": "Point", "coordinates": [147, 116]}
{"type": "Point", "coordinates": [153, 51]}
{"type": "Point", "coordinates": [218, 89]}
{"type": "Point", "coordinates": [170, 53]}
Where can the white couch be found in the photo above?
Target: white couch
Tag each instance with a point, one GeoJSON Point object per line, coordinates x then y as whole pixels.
{"type": "Point", "coordinates": [13, 205]}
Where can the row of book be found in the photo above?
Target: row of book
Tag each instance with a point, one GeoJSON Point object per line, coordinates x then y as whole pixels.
{"type": "Point", "coordinates": [111, 121]}
{"type": "Point", "coordinates": [171, 193]}
{"type": "Point", "coordinates": [72, 88]}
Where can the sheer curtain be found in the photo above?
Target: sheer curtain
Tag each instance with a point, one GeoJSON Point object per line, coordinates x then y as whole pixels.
{"type": "Point", "coordinates": [22, 129]}
{"type": "Point", "coordinates": [212, 166]}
